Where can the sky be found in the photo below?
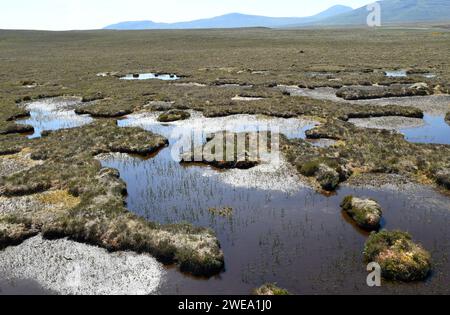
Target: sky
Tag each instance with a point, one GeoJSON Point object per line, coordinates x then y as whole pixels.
{"type": "Point", "coordinates": [95, 14]}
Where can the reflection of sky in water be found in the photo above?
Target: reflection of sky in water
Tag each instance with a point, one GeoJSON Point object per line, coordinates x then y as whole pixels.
{"type": "Point", "coordinates": [435, 130]}
{"type": "Point", "coordinates": [296, 238]}
{"type": "Point", "coordinates": [54, 114]}
{"type": "Point", "coordinates": [396, 73]}
{"type": "Point", "coordinates": [404, 74]}
{"type": "Point", "coordinates": [151, 76]}
{"type": "Point", "coordinates": [291, 128]}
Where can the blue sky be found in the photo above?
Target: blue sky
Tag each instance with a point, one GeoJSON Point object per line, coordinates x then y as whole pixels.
{"type": "Point", "coordinates": [93, 14]}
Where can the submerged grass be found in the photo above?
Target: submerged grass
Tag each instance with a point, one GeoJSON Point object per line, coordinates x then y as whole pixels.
{"type": "Point", "coordinates": [91, 199]}
{"type": "Point", "coordinates": [223, 63]}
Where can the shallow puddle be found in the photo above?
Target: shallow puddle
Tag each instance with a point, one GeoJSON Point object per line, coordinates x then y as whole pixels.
{"type": "Point", "coordinates": [435, 130]}
{"type": "Point", "coordinates": [431, 104]}
{"type": "Point", "coordinates": [404, 74]}
{"type": "Point", "coordinates": [432, 129]}
{"type": "Point", "coordinates": [54, 114]}
{"type": "Point", "coordinates": [279, 230]}
{"type": "Point", "coordinates": [396, 73]}
{"type": "Point", "coordinates": [150, 76]}
{"type": "Point", "coordinates": [291, 128]}
{"type": "Point", "coordinates": [239, 98]}
{"type": "Point", "coordinates": [296, 237]}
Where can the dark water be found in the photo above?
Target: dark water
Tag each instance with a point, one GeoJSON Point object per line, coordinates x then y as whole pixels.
{"type": "Point", "coordinates": [54, 114]}
{"type": "Point", "coordinates": [436, 130]}
{"type": "Point", "coordinates": [22, 287]}
{"type": "Point", "coordinates": [279, 232]}
{"type": "Point", "coordinates": [151, 76]}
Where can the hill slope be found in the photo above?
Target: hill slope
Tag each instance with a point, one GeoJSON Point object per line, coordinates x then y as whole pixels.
{"type": "Point", "coordinates": [396, 11]}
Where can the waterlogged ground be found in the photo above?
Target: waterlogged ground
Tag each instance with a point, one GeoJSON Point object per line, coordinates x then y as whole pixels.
{"type": "Point", "coordinates": [53, 114]}
{"type": "Point", "coordinates": [431, 129]}
{"type": "Point", "coordinates": [279, 230]}
{"type": "Point", "coordinates": [271, 225]}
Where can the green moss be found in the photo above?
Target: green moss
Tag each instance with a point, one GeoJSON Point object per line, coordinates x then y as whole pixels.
{"type": "Point", "coordinates": [311, 167]}
{"type": "Point", "coordinates": [347, 202]}
{"type": "Point", "coordinates": [399, 257]}
{"type": "Point", "coordinates": [365, 212]}
{"type": "Point", "coordinates": [270, 289]}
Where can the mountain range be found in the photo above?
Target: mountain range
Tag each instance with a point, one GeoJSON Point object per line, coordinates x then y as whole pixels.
{"type": "Point", "coordinates": [232, 20]}
{"type": "Point", "coordinates": [397, 12]}
{"type": "Point", "coordinates": [392, 12]}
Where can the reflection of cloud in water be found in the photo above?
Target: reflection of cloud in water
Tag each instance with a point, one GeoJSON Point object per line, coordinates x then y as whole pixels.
{"type": "Point", "coordinates": [73, 268]}
{"type": "Point", "coordinates": [54, 114]}
{"type": "Point", "coordinates": [431, 129]}
{"type": "Point", "coordinates": [271, 176]}
{"type": "Point", "coordinates": [292, 127]}
{"type": "Point", "coordinates": [430, 104]}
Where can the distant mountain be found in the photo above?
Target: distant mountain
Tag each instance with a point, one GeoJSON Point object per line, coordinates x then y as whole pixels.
{"type": "Point", "coordinates": [395, 12]}
{"type": "Point", "coordinates": [233, 20]}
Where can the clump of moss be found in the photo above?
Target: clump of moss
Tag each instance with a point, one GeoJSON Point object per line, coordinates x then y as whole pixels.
{"type": "Point", "coordinates": [174, 115]}
{"type": "Point", "coordinates": [222, 212]}
{"type": "Point", "coordinates": [270, 289]}
{"type": "Point", "coordinates": [60, 198]}
{"type": "Point", "coordinates": [399, 257]}
{"type": "Point", "coordinates": [213, 156]}
{"type": "Point", "coordinates": [442, 178]}
{"type": "Point", "coordinates": [365, 212]}
{"type": "Point", "coordinates": [328, 172]}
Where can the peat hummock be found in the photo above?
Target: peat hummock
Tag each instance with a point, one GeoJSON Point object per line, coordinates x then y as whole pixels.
{"type": "Point", "coordinates": [173, 115]}
{"type": "Point", "coordinates": [373, 92]}
{"type": "Point", "coordinates": [270, 289]}
{"type": "Point", "coordinates": [399, 257]}
{"type": "Point", "coordinates": [365, 212]}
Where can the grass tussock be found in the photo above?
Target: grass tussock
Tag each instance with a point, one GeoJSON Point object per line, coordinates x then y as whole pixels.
{"type": "Point", "coordinates": [270, 289]}
{"type": "Point", "coordinates": [399, 257]}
